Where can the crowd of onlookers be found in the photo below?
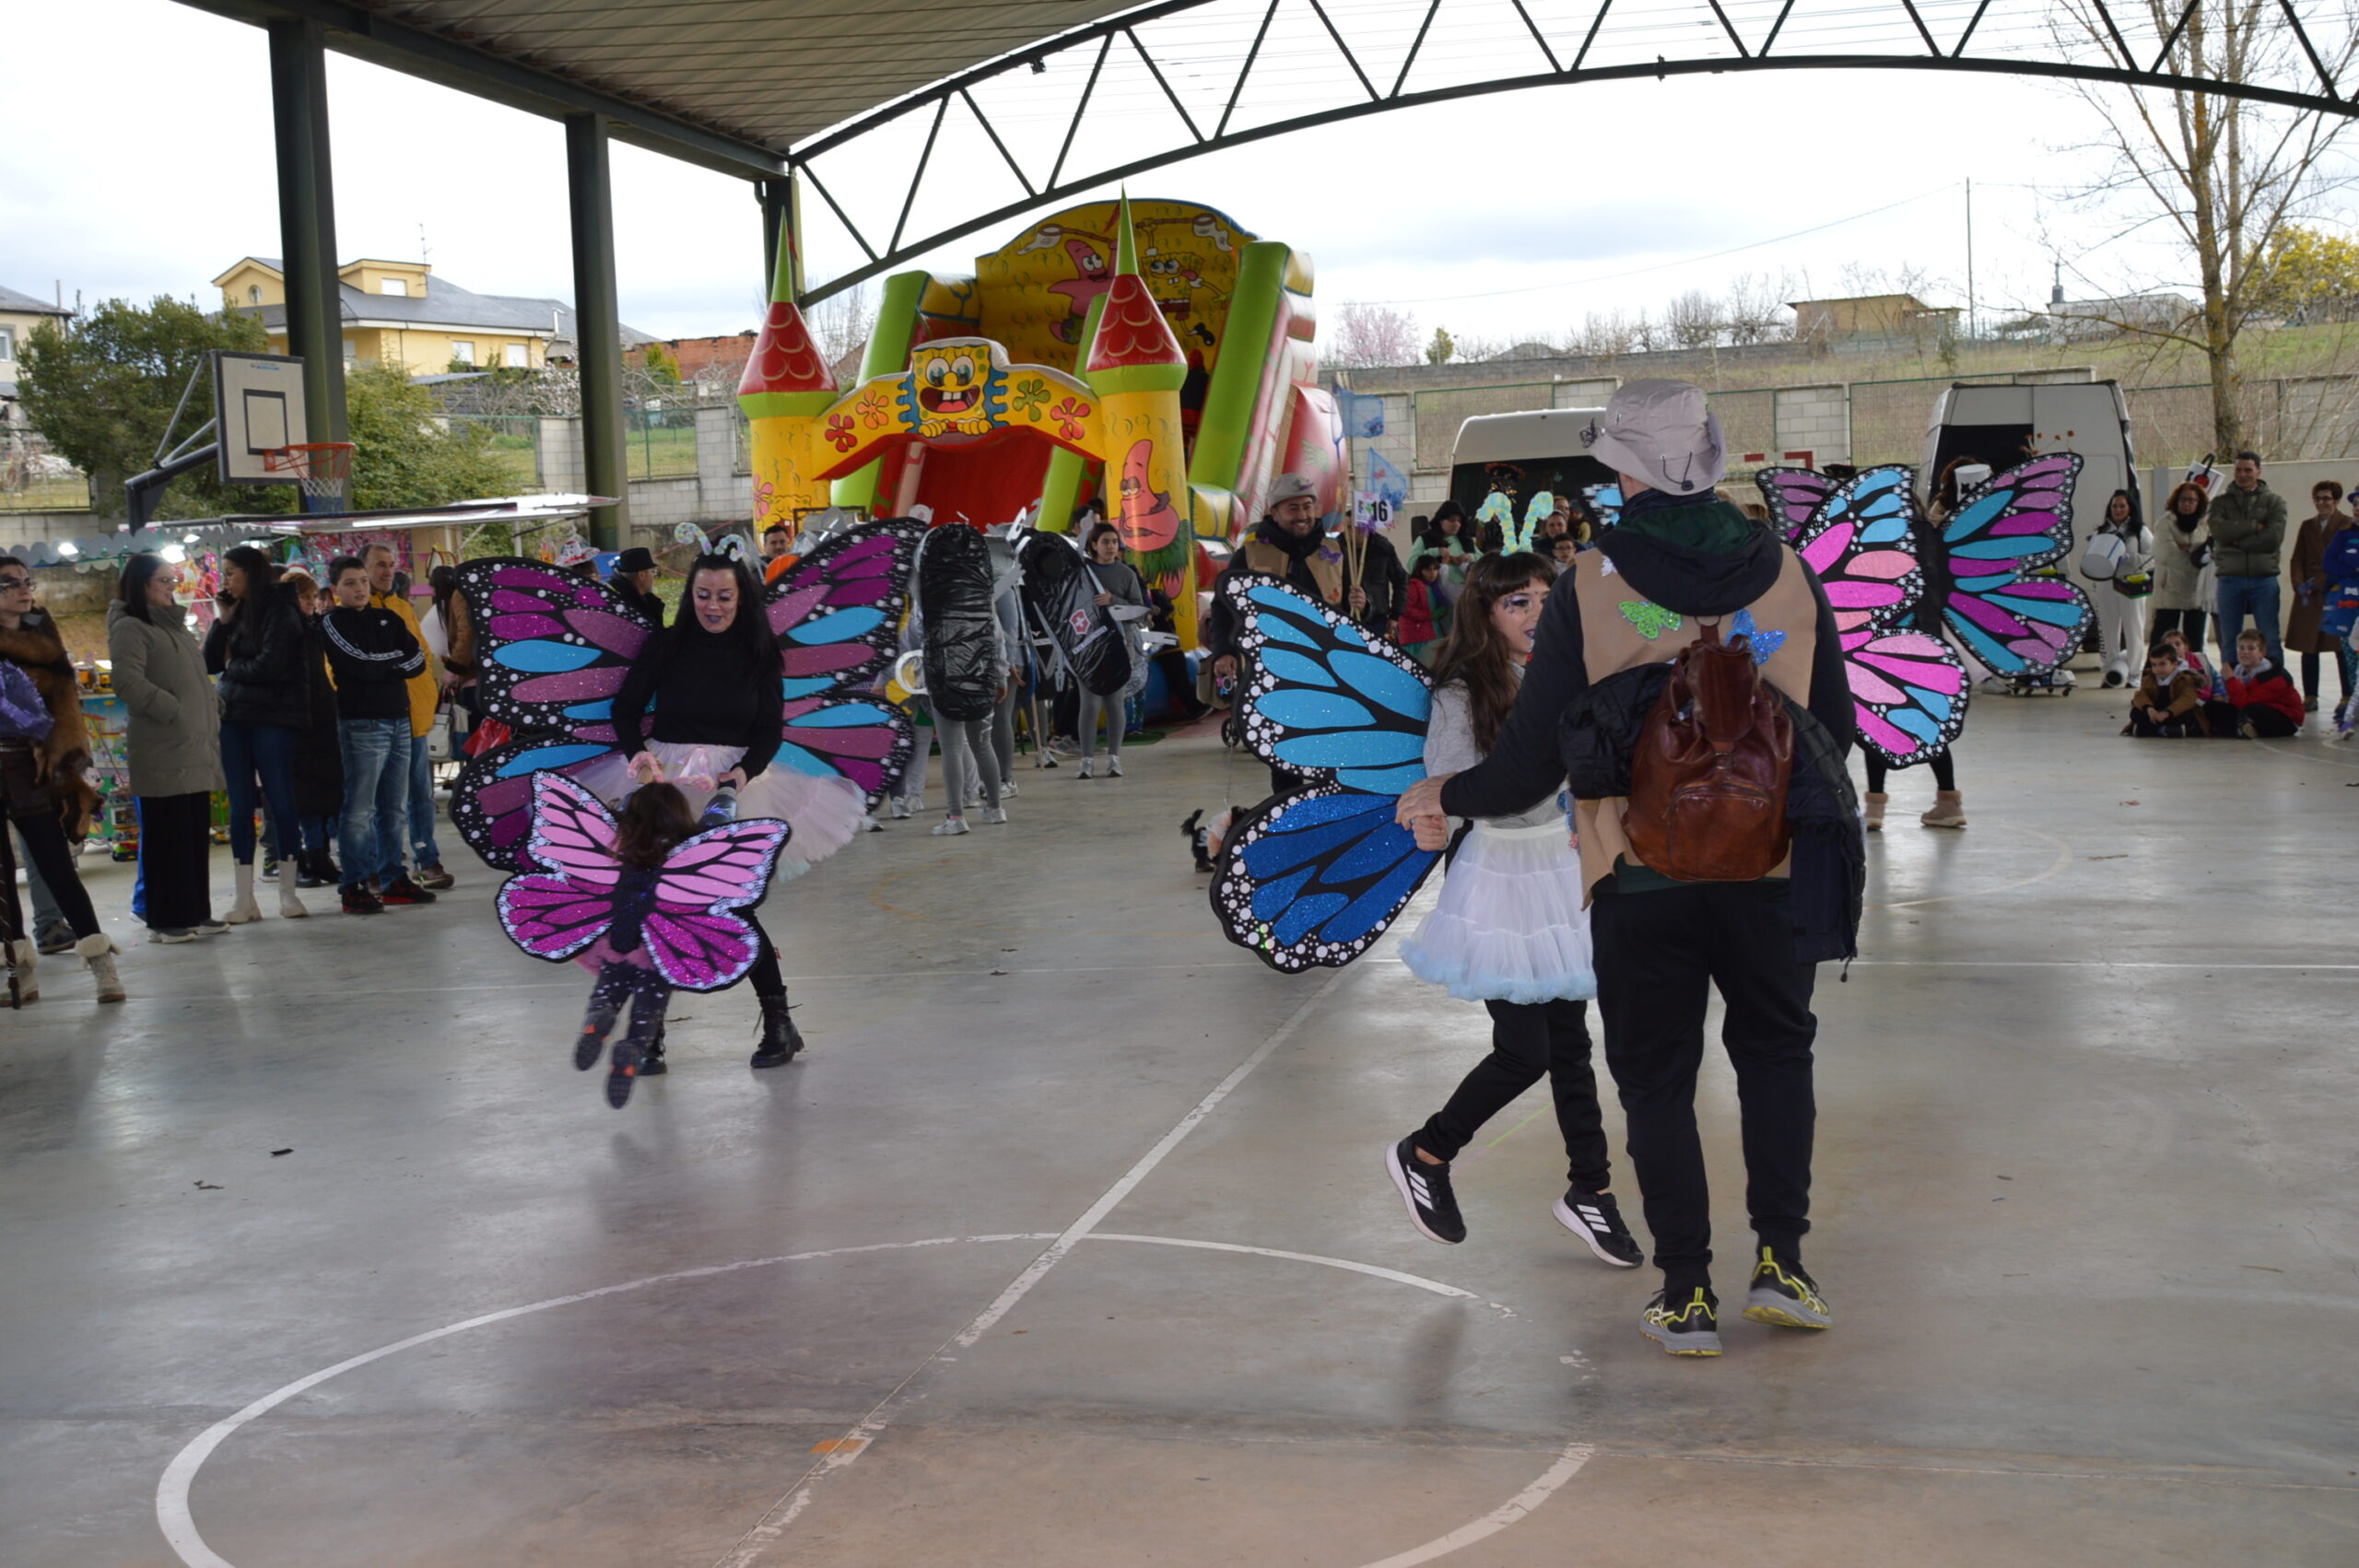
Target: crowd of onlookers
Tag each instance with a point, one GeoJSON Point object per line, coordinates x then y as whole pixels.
{"type": "Point", "coordinates": [309, 705]}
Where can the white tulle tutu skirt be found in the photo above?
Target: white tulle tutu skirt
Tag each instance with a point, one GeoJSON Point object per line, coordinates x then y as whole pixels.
{"type": "Point", "coordinates": [825, 813]}
{"type": "Point", "coordinates": [1509, 925]}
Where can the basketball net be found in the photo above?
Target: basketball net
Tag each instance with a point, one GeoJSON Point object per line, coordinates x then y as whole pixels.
{"type": "Point", "coordinates": [322, 470]}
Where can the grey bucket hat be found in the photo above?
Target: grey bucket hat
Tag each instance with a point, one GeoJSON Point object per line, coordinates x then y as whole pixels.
{"type": "Point", "coordinates": [1663, 432]}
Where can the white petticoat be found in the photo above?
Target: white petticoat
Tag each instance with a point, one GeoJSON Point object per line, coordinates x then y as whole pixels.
{"type": "Point", "coordinates": [825, 813]}
{"type": "Point", "coordinates": [1509, 925]}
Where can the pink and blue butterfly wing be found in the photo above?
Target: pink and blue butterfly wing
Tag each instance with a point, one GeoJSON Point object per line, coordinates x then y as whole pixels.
{"type": "Point", "coordinates": [1860, 542]}
{"type": "Point", "coordinates": [492, 802]}
{"type": "Point", "coordinates": [838, 617]}
{"type": "Point", "coordinates": [1908, 693]}
{"type": "Point", "coordinates": [2005, 529]}
{"type": "Point", "coordinates": [567, 903]}
{"type": "Point", "coordinates": [552, 647]}
{"type": "Point", "coordinates": [1793, 495]}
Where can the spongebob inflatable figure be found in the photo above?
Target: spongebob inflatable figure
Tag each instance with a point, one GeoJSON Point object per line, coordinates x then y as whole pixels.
{"type": "Point", "coordinates": [954, 384]}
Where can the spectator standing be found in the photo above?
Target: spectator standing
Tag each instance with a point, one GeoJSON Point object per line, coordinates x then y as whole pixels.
{"type": "Point", "coordinates": [256, 646]}
{"type": "Point", "coordinates": [2305, 631]}
{"type": "Point", "coordinates": [373, 654]}
{"type": "Point", "coordinates": [1289, 545]}
{"type": "Point", "coordinates": [2247, 540]}
{"type": "Point", "coordinates": [319, 752]}
{"type": "Point", "coordinates": [425, 697]}
{"type": "Point", "coordinates": [2182, 549]}
{"type": "Point", "coordinates": [778, 554]}
{"type": "Point", "coordinates": [1118, 584]}
{"type": "Point", "coordinates": [44, 754]}
{"type": "Point", "coordinates": [1444, 534]}
{"type": "Point", "coordinates": [174, 746]}
{"type": "Point", "coordinates": [2120, 546]}
{"type": "Point", "coordinates": [634, 584]}
{"type": "Point", "coordinates": [1422, 612]}
{"type": "Point", "coordinates": [1382, 575]}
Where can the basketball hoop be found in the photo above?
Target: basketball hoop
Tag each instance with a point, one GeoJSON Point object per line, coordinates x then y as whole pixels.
{"type": "Point", "coordinates": [323, 469]}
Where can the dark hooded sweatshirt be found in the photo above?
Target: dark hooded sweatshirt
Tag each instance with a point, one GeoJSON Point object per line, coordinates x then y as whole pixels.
{"type": "Point", "coordinates": [1222, 629]}
{"type": "Point", "coordinates": [1695, 555]}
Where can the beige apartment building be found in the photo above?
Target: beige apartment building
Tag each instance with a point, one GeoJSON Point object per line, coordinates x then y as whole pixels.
{"type": "Point", "coordinates": [19, 314]}
{"type": "Point", "coordinates": [400, 313]}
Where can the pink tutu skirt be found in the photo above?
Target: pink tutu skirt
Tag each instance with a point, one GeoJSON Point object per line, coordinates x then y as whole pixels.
{"type": "Point", "coordinates": [825, 813]}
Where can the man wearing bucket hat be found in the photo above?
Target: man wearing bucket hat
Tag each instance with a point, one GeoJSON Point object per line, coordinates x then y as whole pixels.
{"type": "Point", "coordinates": [1680, 557]}
{"type": "Point", "coordinates": [1289, 544]}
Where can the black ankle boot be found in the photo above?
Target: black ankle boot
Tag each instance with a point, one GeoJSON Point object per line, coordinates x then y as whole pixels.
{"type": "Point", "coordinates": [780, 1040]}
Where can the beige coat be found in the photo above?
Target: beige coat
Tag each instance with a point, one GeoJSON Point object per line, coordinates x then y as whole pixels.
{"type": "Point", "coordinates": [174, 742]}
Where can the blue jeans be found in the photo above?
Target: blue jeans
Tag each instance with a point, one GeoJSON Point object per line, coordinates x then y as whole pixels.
{"type": "Point", "coordinates": [2255, 596]}
{"type": "Point", "coordinates": [376, 796]}
{"type": "Point", "coordinates": [421, 806]}
{"type": "Point", "coordinates": [268, 750]}
{"type": "Point", "coordinates": [320, 832]}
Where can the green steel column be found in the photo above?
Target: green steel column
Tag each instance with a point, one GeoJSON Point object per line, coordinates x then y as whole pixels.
{"type": "Point", "coordinates": [597, 326]}
{"type": "Point", "coordinates": [298, 93]}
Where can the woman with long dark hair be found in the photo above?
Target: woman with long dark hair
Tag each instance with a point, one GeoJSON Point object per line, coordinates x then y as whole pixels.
{"type": "Point", "coordinates": [257, 646]}
{"type": "Point", "coordinates": [174, 744]}
{"type": "Point", "coordinates": [714, 679]}
{"type": "Point", "coordinates": [45, 753]}
{"type": "Point", "coordinates": [1508, 930]}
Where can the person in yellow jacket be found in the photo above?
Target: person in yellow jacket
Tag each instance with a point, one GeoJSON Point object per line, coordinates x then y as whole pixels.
{"type": "Point", "coordinates": [425, 695]}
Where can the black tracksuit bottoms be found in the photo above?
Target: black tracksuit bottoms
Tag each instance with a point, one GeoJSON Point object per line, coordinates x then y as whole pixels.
{"type": "Point", "coordinates": [1658, 954]}
{"type": "Point", "coordinates": [1529, 1042]}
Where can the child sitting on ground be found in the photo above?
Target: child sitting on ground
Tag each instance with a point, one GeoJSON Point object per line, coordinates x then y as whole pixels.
{"type": "Point", "coordinates": [2168, 705]}
{"type": "Point", "coordinates": [2262, 702]}
{"type": "Point", "coordinates": [2207, 679]}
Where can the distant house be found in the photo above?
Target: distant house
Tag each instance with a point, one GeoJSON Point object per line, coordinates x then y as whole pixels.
{"type": "Point", "coordinates": [400, 313]}
{"type": "Point", "coordinates": [708, 364]}
{"type": "Point", "coordinates": [19, 314]}
{"type": "Point", "coordinates": [2081, 321]}
{"type": "Point", "coordinates": [1872, 320]}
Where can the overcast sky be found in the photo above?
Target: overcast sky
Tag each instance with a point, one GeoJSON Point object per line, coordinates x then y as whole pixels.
{"type": "Point", "coordinates": [140, 163]}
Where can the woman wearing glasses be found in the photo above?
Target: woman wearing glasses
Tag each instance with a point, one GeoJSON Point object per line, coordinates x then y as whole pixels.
{"type": "Point", "coordinates": [43, 756]}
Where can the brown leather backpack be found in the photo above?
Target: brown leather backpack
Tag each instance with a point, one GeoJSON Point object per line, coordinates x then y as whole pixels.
{"type": "Point", "coordinates": [1707, 783]}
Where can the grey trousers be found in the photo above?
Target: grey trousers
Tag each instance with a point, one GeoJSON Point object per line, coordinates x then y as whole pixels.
{"type": "Point", "coordinates": [1117, 716]}
{"type": "Point", "coordinates": [966, 743]}
{"type": "Point", "coordinates": [1004, 733]}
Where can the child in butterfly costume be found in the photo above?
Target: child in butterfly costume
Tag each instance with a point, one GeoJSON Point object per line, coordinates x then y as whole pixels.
{"type": "Point", "coordinates": [764, 689]}
{"type": "Point", "coordinates": [654, 900]}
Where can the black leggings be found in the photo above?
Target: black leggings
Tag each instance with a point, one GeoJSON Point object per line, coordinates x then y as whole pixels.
{"type": "Point", "coordinates": [1945, 771]}
{"type": "Point", "coordinates": [45, 845]}
{"type": "Point", "coordinates": [768, 983]}
{"type": "Point", "coordinates": [1528, 1042]}
{"type": "Point", "coordinates": [2342, 662]}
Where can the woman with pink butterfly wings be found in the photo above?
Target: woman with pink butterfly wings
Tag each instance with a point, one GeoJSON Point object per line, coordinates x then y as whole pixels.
{"type": "Point", "coordinates": [654, 900]}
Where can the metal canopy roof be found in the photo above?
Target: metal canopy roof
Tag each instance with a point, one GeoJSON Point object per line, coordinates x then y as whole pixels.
{"type": "Point", "coordinates": [730, 84]}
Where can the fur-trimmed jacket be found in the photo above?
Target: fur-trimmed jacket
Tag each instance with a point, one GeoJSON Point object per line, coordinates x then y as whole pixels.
{"type": "Point", "coordinates": [36, 646]}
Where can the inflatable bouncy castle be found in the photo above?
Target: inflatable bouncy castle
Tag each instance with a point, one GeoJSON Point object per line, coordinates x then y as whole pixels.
{"type": "Point", "coordinates": [1148, 356]}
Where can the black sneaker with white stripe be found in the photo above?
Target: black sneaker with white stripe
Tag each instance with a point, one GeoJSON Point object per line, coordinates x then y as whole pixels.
{"type": "Point", "coordinates": [1433, 1207]}
{"type": "Point", "coordinates": [1597, 1220]}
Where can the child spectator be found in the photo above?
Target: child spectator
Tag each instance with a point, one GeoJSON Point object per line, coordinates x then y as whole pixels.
{"type": "Point", "coordinates": [2167, 706]}
{"type": "Point", "coordinates": [1422, 612]}
{"type": "Point", "coordinates": [2207, 679]}
{"type": "Point", "coordinates": [1562, 549]}
{"type": "Point", "coordinates": [2263, 703]}
{"type": "Point", "coordinates": [372, 655]}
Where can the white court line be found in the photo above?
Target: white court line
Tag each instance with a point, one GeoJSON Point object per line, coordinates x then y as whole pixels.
{"type": "Point", "coordinates": [773, 1524]}
{"type": "Point", "coordinates": [2057, 867]}
{"type": "Point", "coordinates": [2307, 755]}
{"type": "Point", "coordinates": [1498, 1518]}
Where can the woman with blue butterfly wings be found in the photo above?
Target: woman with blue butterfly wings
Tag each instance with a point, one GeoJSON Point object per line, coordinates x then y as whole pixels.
{"type": "Point", "coordinates": [1508, 931]}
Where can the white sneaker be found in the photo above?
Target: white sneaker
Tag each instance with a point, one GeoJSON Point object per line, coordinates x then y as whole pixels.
{"type": "Point", "coordinates": [1007, 789]}
{"type": "Point", "coordinates": [900, 806]}
{"type": "Point", "coordinates": [169, 936]}
{"type": "Point", "coordinates": [1085, 769]}
{"type": "Point", "coordinates": [1113, 767]}
{"type": "Point", "coordinates": [950, 827]}
{"type": "Point", "coordinates": [994, 813]}
{"type": "Point", "coordinates": [870, 825]}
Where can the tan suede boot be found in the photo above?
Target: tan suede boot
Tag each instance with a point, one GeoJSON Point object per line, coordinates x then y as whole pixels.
{"type": "Point", "coordinates": [1875, 813]}
{"type": "Point", "coordinates": [1949, 810]}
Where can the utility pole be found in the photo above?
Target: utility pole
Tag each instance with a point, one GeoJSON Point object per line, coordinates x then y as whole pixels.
{"type": "Point", "coordinates": [1969, 260]}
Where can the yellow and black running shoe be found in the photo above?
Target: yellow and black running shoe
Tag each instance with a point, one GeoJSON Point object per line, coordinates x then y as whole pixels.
{"type": "Point", "coordinates": [1782, 1295]}
{"type": "Point", "coordinates": [1686, 1323]}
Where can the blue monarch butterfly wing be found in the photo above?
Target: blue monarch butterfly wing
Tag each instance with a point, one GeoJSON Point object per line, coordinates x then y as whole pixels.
{"type": "Point", "coordinates": [1327, 699]}
{"type": "Point", "coordinates": [1314, 877]}
{"type": "Point", "coordinates": [552, 647]}
{"type": "Point", "coordinates": [1999, 607]}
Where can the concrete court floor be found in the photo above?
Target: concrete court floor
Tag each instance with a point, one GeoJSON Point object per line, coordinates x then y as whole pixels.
{"type": "Point", "coordinates": [2085, 1199]}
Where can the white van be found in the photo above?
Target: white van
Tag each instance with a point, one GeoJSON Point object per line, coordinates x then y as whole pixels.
{"type": "Point", "coordinates": [2002, 426]}
{"type": "Point", "coordinates": [1524, 453]}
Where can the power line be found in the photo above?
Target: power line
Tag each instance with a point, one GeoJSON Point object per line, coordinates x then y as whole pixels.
{"type": "Point", "coordinates": [1683, 262]}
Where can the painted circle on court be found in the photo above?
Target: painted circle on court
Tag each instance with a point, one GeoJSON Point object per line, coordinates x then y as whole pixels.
{"type": "Point", "coordinates": [178, 1525]}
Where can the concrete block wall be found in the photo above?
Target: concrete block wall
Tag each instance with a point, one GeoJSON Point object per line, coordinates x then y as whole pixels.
{"type": "Point", "coordinates": [1816, 420]}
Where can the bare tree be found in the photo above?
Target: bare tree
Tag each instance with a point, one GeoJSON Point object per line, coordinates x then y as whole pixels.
{"type": "Point", "coordinates": [1368, 335]}
{"type": "Point", "coordinates": [1755, 308]}
{"type": "Point", "coordinates": [1608, 336]}
{"type": "Point", "coordinates": [2225, 174]}
{"type": "Point", "coordinates": [840, 323]}
{"type": "Point", "coordinates": [1693, 319]}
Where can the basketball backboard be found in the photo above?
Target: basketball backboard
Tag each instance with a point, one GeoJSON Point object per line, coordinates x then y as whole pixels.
{"type": "Point", "coordinates": [258, 399]}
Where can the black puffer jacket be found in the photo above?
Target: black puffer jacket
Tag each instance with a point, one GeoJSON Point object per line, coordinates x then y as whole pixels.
{"type": "Point", "coordinates": [259, 656]}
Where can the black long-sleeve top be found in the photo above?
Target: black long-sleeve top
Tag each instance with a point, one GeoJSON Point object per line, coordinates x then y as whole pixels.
{"type": "Point", "coordinates": [707, 690]}
{"type": "Point", "coordinates": [258, 653]}
{"type": "Point", "coordinates": [372, 656]}
{"type": "Point", "coordinates": [1699, 557]}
